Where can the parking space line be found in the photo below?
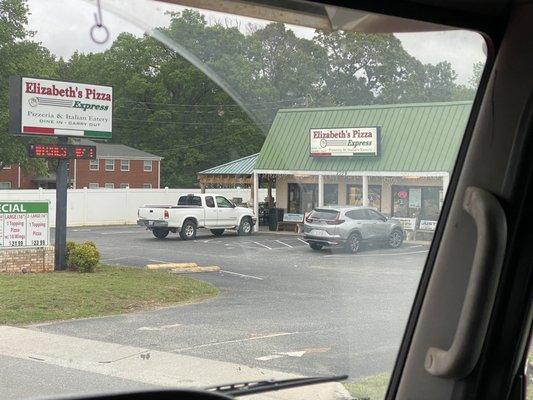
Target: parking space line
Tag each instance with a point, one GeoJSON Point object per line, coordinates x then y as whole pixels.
{"type": "Point", "coordinates": [264, 245]}
{"type": "Point", "coordinates": [375, 254]}
{"type": "Point", "coordinates": [271, 335]}
{"type": "Point", "coordinates": [283, 243]}
{"type": "Point", "coordinates": [303, 241]}
{"type": "Point", "coordinates": [243, 275]}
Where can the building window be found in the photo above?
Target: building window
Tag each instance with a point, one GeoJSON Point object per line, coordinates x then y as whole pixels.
{"type": "Point", "coordinates": [147, 165]}
{"type": "Point", "coordinates": [94, 165]}
{"type": "Point", "coordinates": [124, 185]}
{"type": "Point", "coordinates": [93, 186]}
{"type": "Point", "coordinates": [331, 194]}
{"type": "Point", "coordinates": [5, 185]}
{"type": "Point", "coordinates": [147, 185]}
{"type": "Point", "coordinates": [109, 165]}
{"type": "Point", "coordinates": [109, 185]}
{"type": "Point", "coordinates": [422, 202]}
{"type": "Point", "coordinates": [354, 196]}
{"type": "Point", "coordinates": [124, 165]}
{"type": "Point", "coordinates": [302, 197]}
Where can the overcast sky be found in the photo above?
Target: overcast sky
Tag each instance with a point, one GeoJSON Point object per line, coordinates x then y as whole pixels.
{"type": "Point", "coordinates": [63, 27]}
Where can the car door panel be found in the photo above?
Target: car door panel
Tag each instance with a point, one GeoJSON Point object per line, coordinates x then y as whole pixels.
{"type": "Point", "coordinates": [227, 214]}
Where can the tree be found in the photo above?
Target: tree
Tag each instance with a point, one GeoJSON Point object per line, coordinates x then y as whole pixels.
{"type": "Point", "coordinates": [18, 56]}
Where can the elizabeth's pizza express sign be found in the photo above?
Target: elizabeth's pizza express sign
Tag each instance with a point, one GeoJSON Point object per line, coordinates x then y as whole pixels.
{"type": "Point", "coordinates": [56, 108]}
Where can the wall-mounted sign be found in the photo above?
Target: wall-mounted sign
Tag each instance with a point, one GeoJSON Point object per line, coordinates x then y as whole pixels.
{"type": "Point", "coordinates": [56, 108]}
{"type": "Point", "coordinates": [290, 217]}
{"type": "Point", "coordinates": [62, 151]}
{"type": "Point", "coordinates": [415, 197]}
{"type": "Point", "coordinates": [409, 224]}
{"type": "Point", "coordinates": [427, 225]}
{"type": "Point", "coordinates": [24, 224]}
{"type": "Point", "coordinates": [402, 194]}
{"type": "Point", "coordinates": [364, 141]}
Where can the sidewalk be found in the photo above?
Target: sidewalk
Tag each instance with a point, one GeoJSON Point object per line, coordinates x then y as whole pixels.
{"type": "Point", "coordinates": [149, 366]}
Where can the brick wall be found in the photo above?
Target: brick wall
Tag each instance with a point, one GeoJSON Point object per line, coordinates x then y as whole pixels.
{"type": "Point", "coordinates": [136, 177]}
{"type": "Point", "coordinates": [27, 260]}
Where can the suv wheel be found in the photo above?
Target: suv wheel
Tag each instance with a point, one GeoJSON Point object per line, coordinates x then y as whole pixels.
{"type": "Point", "coordinates": [315, 246]}
{"type": "Point", "coordinates": [353, 243]}
{"type": "Point", "coordinates": [395, 239]}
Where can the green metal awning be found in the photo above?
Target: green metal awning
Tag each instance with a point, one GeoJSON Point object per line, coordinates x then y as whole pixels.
{"type": "Point", "coordinates": [414, 138]}
{"type": "Point", "coordinates": [242, 166]}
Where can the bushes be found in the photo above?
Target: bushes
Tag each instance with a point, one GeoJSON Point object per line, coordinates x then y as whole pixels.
{"type": "Point", "coordinates": [84, 256]}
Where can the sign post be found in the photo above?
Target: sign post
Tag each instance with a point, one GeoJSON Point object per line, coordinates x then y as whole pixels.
{"type": "Point", "coordinates": [61, 211]}
{"type": "Point", "coordinates": [60, 109]}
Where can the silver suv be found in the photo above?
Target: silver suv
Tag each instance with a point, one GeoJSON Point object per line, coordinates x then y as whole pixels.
{"type": "Point", "coordinates": [349, 226]}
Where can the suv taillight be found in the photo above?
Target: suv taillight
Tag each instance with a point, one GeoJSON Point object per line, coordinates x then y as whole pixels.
{"type": "Point", "coordinates": [335, 222]}
{"type": "Point", "coordinates": [165, 214]}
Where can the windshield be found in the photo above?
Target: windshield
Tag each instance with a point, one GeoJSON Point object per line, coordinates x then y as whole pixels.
{"type": "Point", "coordinates": [107, 107]}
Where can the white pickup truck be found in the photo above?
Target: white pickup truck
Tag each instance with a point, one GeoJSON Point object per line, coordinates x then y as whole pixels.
{"type": "Point", "coordinates": [195, 211]}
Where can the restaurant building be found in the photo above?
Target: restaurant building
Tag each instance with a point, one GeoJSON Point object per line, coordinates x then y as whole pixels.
{"type": "Point", "coordinates": [394, 158]}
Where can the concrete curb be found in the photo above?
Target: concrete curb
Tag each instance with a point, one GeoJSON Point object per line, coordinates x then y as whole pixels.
{"type": "Point", "coordinates": [149, 366]}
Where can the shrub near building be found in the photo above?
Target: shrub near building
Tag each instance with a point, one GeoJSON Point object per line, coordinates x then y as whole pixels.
{"type": "Point", "coordinates": [83, 257]}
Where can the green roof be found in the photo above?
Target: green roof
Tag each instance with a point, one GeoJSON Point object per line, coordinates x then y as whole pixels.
{"type": "Point", "coordinates": [414, 137]}
{"type": "Point", "coordinates": [242, 166]}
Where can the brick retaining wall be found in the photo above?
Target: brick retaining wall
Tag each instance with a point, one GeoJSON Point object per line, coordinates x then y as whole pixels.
{"type": "Point", "coordinates": [27, 260]}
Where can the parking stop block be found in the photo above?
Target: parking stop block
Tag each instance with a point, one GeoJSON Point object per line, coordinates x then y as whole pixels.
{"type": "Point", "coordinates": [194, 270]}
{"type": "Point", "coordinates": [171, 266]}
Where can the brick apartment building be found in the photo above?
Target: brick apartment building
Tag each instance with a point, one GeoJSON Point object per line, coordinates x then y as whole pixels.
{"type": "Point", "coordinates": [117, 166]}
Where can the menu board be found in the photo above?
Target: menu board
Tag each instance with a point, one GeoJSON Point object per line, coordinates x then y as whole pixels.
{"type": "Point", "coordinates": [24, 224]}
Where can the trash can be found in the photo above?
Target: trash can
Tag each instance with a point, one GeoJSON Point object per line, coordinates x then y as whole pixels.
{"type": "Point", "coordinates": [275, 215]}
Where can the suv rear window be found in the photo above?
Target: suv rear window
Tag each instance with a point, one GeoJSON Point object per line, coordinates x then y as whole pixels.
{"type": "Point", "coordinates": [190, 201]}
{"type": "Point", "coordinates": [327, 215]}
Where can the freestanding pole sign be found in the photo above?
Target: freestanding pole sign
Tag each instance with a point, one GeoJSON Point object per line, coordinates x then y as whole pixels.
{"type": "Point", "coordinates": [47, 107]}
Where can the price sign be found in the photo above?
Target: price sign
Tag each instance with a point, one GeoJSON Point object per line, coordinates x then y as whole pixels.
{"type": "Point", "coordinates": [24, 224]}
{"type": "Point", "coordinates": [62, 151]}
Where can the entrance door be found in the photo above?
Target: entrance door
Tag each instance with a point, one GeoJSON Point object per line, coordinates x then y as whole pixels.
{"type": "Point", "coordinates": [227, 214]}
{"type": "Point", "coordinates": [302, 197]}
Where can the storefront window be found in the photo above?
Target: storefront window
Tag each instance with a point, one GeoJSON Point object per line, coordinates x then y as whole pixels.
{"type": "Point", "coordinates": [354, 196]}
{"type": "Point", "coordinates": [416, 202]}
{"type": "Point", "coordinates": [331, 194]}
{"type": "Point", "coordinates": [303, 197]}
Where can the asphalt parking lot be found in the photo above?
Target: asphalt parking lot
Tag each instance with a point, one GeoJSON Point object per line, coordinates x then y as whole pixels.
{"type": "Point", "coordinates": [281, 306]}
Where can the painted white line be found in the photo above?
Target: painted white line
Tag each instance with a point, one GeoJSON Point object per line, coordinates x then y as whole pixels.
{"type": "Point", "coordinates": [264, 245]}
{"type": "Point", "coordinates": [120, 232]}
{"type": "Point", "coordinates": [283, 243]}
{"type": "Point", "coordinates": [375, 254]}
{"type": "Point", "coordinates": [303, 241]}
{"type": "Point", "coordinates": [293, 353]}
{"type": "Point", "coordinates": [269, 336]}
{"type": "Point", "coordinates": [158, 328]}
{"type": "Point", "coordinates": [243, 275]}
{"type": "Point", "coordinates": [270, 357]}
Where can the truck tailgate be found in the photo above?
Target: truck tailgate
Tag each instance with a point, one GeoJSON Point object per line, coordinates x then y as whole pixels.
{"type": "Point", "coordinates": [155, 213]}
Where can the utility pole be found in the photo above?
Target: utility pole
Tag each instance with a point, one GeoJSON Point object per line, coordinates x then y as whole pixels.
{"type": "Point", "coordinates": [61, 210]}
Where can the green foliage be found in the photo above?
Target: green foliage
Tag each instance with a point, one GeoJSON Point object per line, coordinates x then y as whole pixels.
{"type": "Point", "coordinates": [167, 106]}
{"type": "Point", "coordinates": [70, 246]}
{"type": "Point", "coordinates": [19, 55]}
{"type": "Point", "coordinates": [84, 257]}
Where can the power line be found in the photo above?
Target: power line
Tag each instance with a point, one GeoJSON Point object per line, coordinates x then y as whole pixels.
{"type": "Point", "coordinates": [213, 105]}
{"type": "Point", "coordinates": [185, 123]}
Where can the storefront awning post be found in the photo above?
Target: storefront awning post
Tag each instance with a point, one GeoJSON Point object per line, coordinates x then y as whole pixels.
{"type": "Point", "coordinates": [255, 193]}
{"type": "Point", "coordinates": [321, 190]}
{"type": "Point", "coordinates": [365, 191]}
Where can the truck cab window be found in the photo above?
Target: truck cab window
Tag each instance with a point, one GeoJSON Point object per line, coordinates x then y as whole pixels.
{"type": "Point", "coordinates": [189, 201]}
{"type": "Point", "coordinates": [222, 202]}
{"type": "Point", "coordinates": [209, 202]}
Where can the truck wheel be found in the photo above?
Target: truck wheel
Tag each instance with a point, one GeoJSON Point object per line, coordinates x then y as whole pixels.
{"type": "Point", "coordinates": [245, 228]}
{"type": "Point", "coordinates": [160, 233]}
{"type": "Point", "coordinates": [188, 230]}
{"type": "Point", "coordinates": [217, 232]}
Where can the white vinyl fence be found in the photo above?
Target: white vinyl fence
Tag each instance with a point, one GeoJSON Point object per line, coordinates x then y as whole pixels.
{"type": "Point", "coordinates": [115, 206]}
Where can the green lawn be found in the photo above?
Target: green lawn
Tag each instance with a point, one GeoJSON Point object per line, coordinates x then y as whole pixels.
{"type": "Point", "coordinates": [371, 388]}
{"type": "Point", "coordinates": [33, 298]}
